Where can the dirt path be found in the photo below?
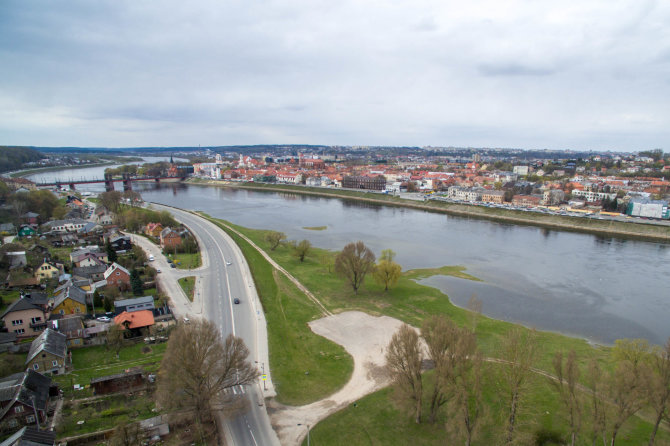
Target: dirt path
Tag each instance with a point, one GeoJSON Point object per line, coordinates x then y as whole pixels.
{"type": "Point", "coordinates": [365, 337]}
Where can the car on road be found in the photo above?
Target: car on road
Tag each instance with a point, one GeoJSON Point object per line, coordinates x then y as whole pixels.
{"type": "Point", "coordinates": [236, 301]}
{"type": "Point", "coordinates": [228, 263]}
{"type": "Point", "coordinates": [158, 270]}
{"type": "Point", "coordinates": [172, 265]}
{"type": "Point", "coordinates": [187, 320]}
{"type": "Point", "coordinates": [151, 258]}
{"type": "Point", "coordinates": [104, 319]}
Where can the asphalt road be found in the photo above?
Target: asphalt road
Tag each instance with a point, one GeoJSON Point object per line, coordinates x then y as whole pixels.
{"type": "Point", "coordinates": [223, 277]}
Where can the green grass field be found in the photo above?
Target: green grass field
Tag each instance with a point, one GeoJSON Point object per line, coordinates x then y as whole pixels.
{"type": "Point", "coordinates": [188, 285]}
{"type": "Point", "coordinates": [187, 261]}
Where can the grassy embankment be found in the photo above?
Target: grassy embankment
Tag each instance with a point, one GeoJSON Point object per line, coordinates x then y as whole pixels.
{"type": "Point", "coordinates": [610, 228]}
{"type": "Point", "coordinates": [188, 285]}
{"type": "Point", "coordinates": [411, 303]}
{"type": "Point", "coordinates": [294, 348]}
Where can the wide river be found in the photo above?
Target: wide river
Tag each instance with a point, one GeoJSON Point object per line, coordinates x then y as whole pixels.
{"type": "Point", "coordinates": [598, 288]}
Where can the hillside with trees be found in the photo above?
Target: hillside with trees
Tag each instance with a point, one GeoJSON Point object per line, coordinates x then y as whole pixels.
{"type": "Point", "coordinates": [14, 158]}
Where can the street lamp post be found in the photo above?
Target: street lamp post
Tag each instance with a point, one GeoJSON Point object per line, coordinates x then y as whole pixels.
{"type": "Point", "coordinates": [300, 424]}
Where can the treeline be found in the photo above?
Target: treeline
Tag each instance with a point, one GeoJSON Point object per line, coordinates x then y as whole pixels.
{"type": "Point", "coordinates": [149, 169]}
{"type": "Point", "coordinates": [595, 402]}
{"type": "Point", "coordinates": [13, 158]}
{"type": "Point", "coordinates": [42, 202]}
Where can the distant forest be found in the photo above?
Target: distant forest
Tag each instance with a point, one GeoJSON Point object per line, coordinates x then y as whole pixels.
{"type": "Point", "coordinates": [14, 158]}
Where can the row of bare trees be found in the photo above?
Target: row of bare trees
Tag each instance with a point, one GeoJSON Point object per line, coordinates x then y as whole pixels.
{"type": "Point", "coordinates": [606, 399]}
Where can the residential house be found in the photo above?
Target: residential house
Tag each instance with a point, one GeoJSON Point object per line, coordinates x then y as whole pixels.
{"type": "Point", "coordinates": [27, 316]}
{"type": "Point", "coordinates": [70, 225]}
{"type": "Point", "coordinates": [72, 326]}
{"type": "Point", "coordinates": [170, 239]}
{"type": "Point", "coordinates": [16, 259]}
{"type": "Point", "coordinates": [103, 216]}
{"type": "Point", "coordinates": [153, 229]}
{"type": "Point", "coordinates": [30, 218]}
{"type": "Point", "coordinates": [89, 256]}
{"type": "Point", "coordinates": [135, 321]}
{"type": "Point", "coordinates": [69, 299]}
{"type": "Point", "coordinates": [94, 273]}
{"type": "Point", "coordinates": [135, 304]}
{"type": "Point", "coordinates": [48, 353]}
{"type": "Point", "coordinates": [7, 228]}
{"type": "Point", "coordinates": [117, 276]}
{"type": "Point", "coordinates": [90, 228]}
{"type": "Point", "coordinates": [48, 270]}
{"type": "Point", "coordinates": [27, 231]}
{"type": "Point", "coordinates": [30, 436]}
{"type": "Point", "coordinates": [121, 243]}
{"type": "Point", "coordinates": [24, 399]}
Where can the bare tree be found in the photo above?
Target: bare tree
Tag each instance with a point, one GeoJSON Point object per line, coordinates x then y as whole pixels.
{"type": "Point", "coordinates": [518, 349]}
{"type": "Point", "coordinates": [274, 238]}
{"type": "Point", "coordinates": [403, 361]}
{"type": "Point", "coordinates": [111, 200]}
{"type": "Point", "coordinates": [475, 307]}
{"type": "Point", "coordinates": [301, 249]}
{"type": "Point", "coordinates": [440, 335]}
{"type": "Point", "coordinates": [658, 386]}
{"type": "Point", "coordinates": [567, 373]}
{"type": "Point", "coordinates": [468, 408]}
{"type": "Point", "coordinates": [198, 365]}
{"type": "Point", "coordinates": [354, 262]}
{"type": "Point", "coordinates": [598, 411]}
{"type": "Point", "coordinates": [116, 338]}
{"type": "Point", "coordinates": [625, 383]}
{"type": "Point", "coordinates": [127, 434]}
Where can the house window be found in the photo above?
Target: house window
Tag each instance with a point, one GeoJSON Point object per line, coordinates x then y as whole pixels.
{"type": "Point", "coordinates": [17, 322]}
{"type": "Point", "coordinates": [36, 366]}
{"type": "Point", "coordinates": [118, 273]}
{"type": "Point", "coordinates": [77, 310]}
{"type": "Point", "coordinates": [18, 409]}
{"type": "Point", "coordinates": [19, 331]}
{"type": "Point", "coordinates": [30, 419]}
{"type": "Point", "coordinates": [62, 312]}
{"type": "Point", "coordinates": [35, 319]}
{"type": "Point", "coordinates": [54, 363]}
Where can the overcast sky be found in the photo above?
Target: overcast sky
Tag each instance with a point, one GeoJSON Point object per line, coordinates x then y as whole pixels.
{"type": "Point", "coordinates": [527, 74]}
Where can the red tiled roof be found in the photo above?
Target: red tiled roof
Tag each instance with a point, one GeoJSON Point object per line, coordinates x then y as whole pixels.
{"type": "Point", "coordinates": [137, 319]}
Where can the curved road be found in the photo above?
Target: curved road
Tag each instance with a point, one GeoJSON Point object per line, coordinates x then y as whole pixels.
{"type": "Point", "coordinates": [224, 277]}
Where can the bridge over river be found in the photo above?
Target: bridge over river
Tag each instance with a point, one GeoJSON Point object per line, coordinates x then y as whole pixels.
{"type": "Point", "coordinates": [109, 181]}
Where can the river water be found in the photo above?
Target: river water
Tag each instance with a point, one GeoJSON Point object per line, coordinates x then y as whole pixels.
{"type": "Point", "coordinates": [598, 288]}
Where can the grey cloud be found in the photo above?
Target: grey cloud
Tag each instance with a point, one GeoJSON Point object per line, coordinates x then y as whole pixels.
{"type": "Point", "coordinates": [514, 69]}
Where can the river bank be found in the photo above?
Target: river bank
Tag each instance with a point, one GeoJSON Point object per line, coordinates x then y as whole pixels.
{"type": "Point", "coordinates": [607, 228]}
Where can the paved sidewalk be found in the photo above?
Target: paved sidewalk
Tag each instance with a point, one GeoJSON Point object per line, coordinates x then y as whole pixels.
{"type": "Point", "coordinates": [167, 279]}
